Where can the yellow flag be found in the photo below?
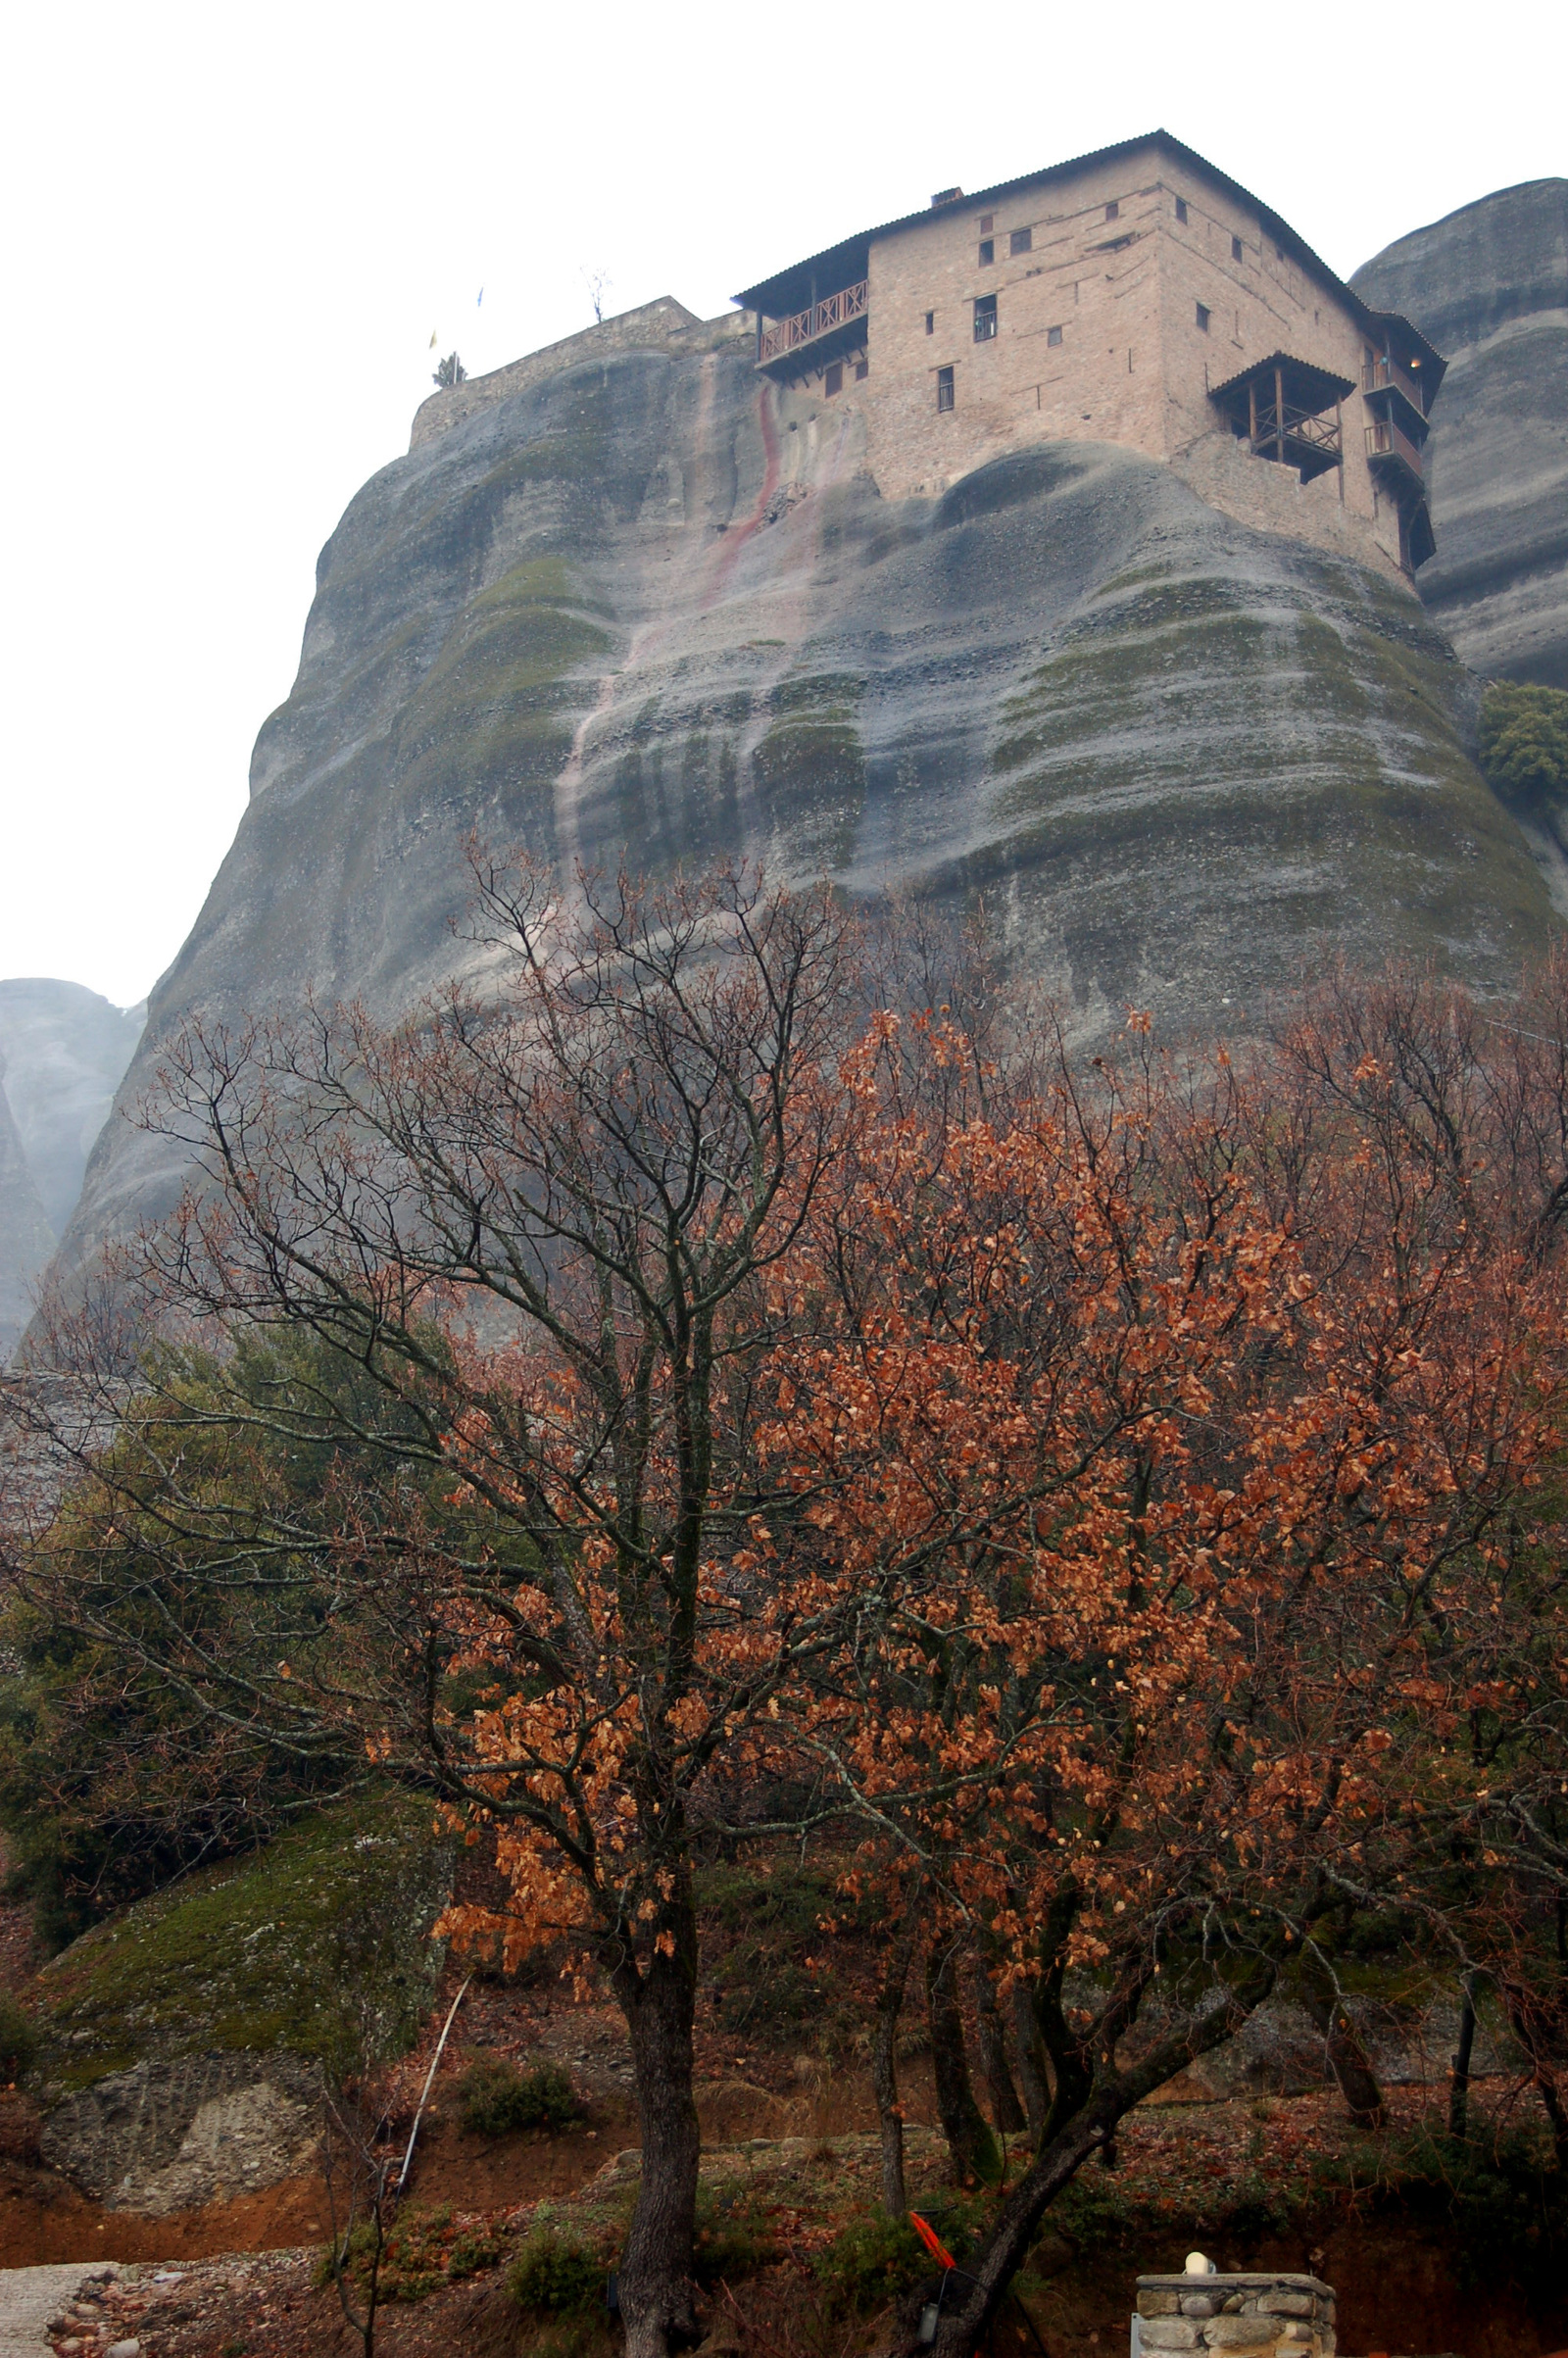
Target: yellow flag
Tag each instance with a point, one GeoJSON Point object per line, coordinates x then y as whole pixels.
{"type": "Point", "coordinates": [432, 339]}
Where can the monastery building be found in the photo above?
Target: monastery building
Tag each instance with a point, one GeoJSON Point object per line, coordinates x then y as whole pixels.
{"type": "Point", "coordinates": [1134, 296]}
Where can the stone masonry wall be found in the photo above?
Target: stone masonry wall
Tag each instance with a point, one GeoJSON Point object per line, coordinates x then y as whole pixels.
{"type": "Point", "coordinates": [1120, 292]}
{"type": "Point", "coordinates": [1262, 2315]}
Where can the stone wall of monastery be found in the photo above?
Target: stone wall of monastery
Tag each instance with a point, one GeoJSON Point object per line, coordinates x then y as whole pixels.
{"type": "Point", "coordinates": [1098, 339]}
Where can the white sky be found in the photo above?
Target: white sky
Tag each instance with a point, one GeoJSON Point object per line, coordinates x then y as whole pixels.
{"type": "Point", "coordinates": [231, 229]}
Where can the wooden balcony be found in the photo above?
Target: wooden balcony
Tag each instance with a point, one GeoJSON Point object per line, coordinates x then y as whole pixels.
{"type": "Point", "coordinates": [1289, 410]}
{"type": "Point", "coordinates": [1391, 452]}
{"type": "Point", "coordinates": [808, 339]}
{"type": "Point", "coordinates": [1386, 376]}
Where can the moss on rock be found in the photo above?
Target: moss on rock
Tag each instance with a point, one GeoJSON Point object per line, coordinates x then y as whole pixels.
{"type": "Point", "coordinates": [318, 1944]}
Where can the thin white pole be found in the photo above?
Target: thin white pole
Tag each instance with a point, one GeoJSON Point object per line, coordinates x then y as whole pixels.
{"type": "Point", "coordinates": [430, 2079]}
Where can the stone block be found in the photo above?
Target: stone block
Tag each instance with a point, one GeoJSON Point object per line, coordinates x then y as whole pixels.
{"type": "Point", "coordinates": [1285, 2304]}
{"type": "Point", "coordinates": [1297, 2331]}
{"type": "Point", "coordinates": [1158, 2304]}
{"type": "Point", "coordinates": [1241, 2333]}
{"type": "Point", "coordinates": [1169, 2333]}
{"type": "Point", "coordinates": [1199, 2304]}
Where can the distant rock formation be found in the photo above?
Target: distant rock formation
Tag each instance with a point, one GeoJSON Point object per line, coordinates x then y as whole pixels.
{"type": "Point", "coordinates": [63, 1052]}
{"type": "Point", "coordinates": [27, 1238]}
{"type": "Point", "coordinates": [649, 607]}
{"type": "Point", "coordinates": [1489, 285]}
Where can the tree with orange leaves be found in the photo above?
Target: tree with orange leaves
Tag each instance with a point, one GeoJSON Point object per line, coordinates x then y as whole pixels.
{"type": "Point", "coordinates": [1066, 1478]}
{"type": "Point", "coordinates": [1163, 1499]}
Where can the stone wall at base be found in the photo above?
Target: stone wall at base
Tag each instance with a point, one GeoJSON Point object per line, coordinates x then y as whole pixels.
{"type": "Point", "coordinates": [1262, 2315]}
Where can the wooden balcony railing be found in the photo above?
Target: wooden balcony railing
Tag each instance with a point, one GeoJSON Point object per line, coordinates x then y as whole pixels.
{"type": "Point", "coordinates": [804, 326]}
{"type": "Point", "coordinates": [1375, 375]}
{"type": "Point", "coordinates": [1383, 440]}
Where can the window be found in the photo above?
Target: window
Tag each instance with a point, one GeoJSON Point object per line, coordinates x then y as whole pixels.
{"type": "Point", "coordinates": [1181, 208]}
{"type": "Point", "coordinates": [863, 370]}
{"type": "Point", "coordinates": [987, 251]}
{"type": "Point", "coordinates": [1053, 335]}
{"type": "Point", "coordinates": [833, 379]}
{"type": "Point", "coordinates": [1202, 316]}
{"type": "Point", "coordinates": [944, 388]}
{"type": "Point", "coordinates": [985, 318]}
{"type": "Point", "coordinates": [1020, 241]}
{"type": "Point", "coordinates": [987, 221]}
{"type": "Point", "coordinates": [930, 322]}
{"type": "Point", "coordinates": [1236, 249]}
{"type": "Point", "coordinates": [1113, 210]}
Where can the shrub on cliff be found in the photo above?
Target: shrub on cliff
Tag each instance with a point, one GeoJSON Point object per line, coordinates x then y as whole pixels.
{"type": "Point", "coordinates": [1524, 739]}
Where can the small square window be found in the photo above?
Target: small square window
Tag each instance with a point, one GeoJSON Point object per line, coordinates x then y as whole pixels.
{"type": "Point", "coordinates": [863, 370]}
{"type": "Point", "coordinates": [1181, 208]}
{"type": "Point", "coordinates": [1236, 249]}
{"type": "Point", "coordinates": [985, 318]}
{"type": "Point", "coordinates": [1202, 316]}
{"type": "Point", "coordinates": [930, 322]}
{"type": "Point", "coordinates": [833, 379]}
{"type": "Point", "coordinates": [1020, 241]}
{"type": "Point", "coordinates": [944, 388]}
{"type": "Point", "coordinates": [987, 221]}
{"type": "Point", "coordinates": [987, 251]}
{"type": "Point", "coordinates": [1113, 210]}
{"type": "Point", "coordinates": [1279, 253]}
{"type": "Point", "coordinates": [1053, 335]}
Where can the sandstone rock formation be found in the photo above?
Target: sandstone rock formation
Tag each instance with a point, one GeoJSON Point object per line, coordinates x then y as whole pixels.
{"type": "Point", "coordinates": [27, 1238]}
{"type": "Point", "coordinates": [63, 1051]}
{"type": "Point", "coordinates": [1489, 284]}
{"type": "Point", "coordinates": [644, 607]}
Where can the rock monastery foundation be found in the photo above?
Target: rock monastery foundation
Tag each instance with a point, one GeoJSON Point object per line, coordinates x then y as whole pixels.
{"type": "Point", "coordinates": [1136, 296]}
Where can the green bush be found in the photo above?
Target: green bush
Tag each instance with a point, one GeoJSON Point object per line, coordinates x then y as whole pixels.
{"type": "Point", "coordinates": [557, 2272]}
{"type": "Point", "coordinates": [19, 2040]}
{"type": "Point", "coordinates": [1501, 2199]}
{"type": "Point", "coordinates": [733, 2237]}
{"type": "Point", "coordinates": [1524, 739]}
{"type": "Point", "coordinates": [870, 2262]}
{"type": "Point", "coordinates": [495, 2098]}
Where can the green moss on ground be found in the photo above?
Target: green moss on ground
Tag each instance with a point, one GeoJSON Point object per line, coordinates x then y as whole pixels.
{"type": "Point", "coordinates": [317, 1944]}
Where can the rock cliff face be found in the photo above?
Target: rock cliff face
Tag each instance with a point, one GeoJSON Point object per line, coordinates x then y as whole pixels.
{"type": "Point", "coordinates": [645, 607]}
{"type": "Point", "coordinates": [27, 1238]}
{"type": "Point", "coordinates": [1489, 286]}
{"type": "Point", "coordinates": [63, 1051]}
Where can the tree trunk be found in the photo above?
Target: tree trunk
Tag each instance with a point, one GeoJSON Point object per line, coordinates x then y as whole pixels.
{"type": "Point", "coordinates": [1006, 2113]}
{"type": "Point", "coordinates": [974, 2150]}
{"type": "Point", "coordinates": [1032, 2067]}
{"type": "Point", "coordinates": [1356, 2078]}
{"type": "Point", "coordinates": [1459, 2085]}
{"type": "Point", "coordinates": [884, 2059]}
{"type": "Point", "coordinates": [657, 2292]}
{"type": "Point", "coordinates": [1093, 2118]}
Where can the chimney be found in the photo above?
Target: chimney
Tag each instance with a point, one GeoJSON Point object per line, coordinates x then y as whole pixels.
{"type": "Point", "coordinates": [947, 196]}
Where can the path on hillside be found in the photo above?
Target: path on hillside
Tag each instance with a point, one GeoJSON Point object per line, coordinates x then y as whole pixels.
{"type": "Point", "coordinates": [31, 2297]}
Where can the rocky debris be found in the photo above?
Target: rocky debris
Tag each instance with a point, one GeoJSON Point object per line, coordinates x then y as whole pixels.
{"type": "Point", "coordinates": [146, 2311]}
{"type": "Point", "coordinates": [924, 2148]}
{"type": "Point", "coordinates": [1489, 284]}
{"type": "Point", "coordinates": [1180, 762]}
{"type": "Point", "coordinates": [173, 2135]}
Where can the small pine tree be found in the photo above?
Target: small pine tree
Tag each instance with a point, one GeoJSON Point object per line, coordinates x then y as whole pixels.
{"type": "Point", "coordinates": [1524, 738]}
{"type": "Point", "coordinates": [450, 372]}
